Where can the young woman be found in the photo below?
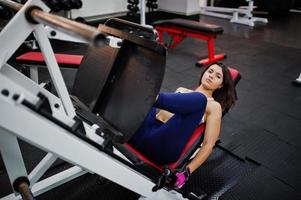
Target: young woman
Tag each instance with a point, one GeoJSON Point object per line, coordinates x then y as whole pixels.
{"type": "Point", "coordinates": [163, 135]}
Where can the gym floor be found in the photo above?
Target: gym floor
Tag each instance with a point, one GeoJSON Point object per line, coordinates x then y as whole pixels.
{"type": "Point", "coordinates": [259, 154]}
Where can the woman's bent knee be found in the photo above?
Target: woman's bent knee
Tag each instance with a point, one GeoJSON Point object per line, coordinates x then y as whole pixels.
{"type": "Point", "coordinates": [202, 99]}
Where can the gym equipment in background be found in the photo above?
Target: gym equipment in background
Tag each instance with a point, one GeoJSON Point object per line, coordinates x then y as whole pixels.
{"type": "Point", "coordinates": [66, 6]}
{"type": "Point", "coordinates": [152, 5]}
{"type": "Point", "coordinates": [242, 15]}
{"type": "Point", "coordinates": [61, 5]}
{"type": "Point", "coordinates": [179, 29]}
{"type": "Point", "coordinates": [134, 9]}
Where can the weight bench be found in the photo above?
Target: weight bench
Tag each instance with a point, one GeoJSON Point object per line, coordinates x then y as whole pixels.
{"type": "Point", "coordinates": [35, 60]}
{"type": "Point", "coordinates": [179, 29]}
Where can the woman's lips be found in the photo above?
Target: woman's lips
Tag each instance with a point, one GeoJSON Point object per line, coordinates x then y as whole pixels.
{"type": "Point", "coordinates": [208, 80]}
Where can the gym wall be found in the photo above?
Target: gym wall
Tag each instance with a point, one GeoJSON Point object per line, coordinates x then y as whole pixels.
{"type": "Point", "coordinates": [184, 7]}
{"type": "Point", "coordinates": [98, 8]}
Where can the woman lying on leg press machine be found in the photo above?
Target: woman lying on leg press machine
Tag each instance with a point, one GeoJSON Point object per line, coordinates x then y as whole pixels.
{"type": "Point", "coordinates": [163, 135]}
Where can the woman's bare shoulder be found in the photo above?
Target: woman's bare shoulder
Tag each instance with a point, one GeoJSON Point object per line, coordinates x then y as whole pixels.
{"type": "Point", "coordinates": [213, 106]}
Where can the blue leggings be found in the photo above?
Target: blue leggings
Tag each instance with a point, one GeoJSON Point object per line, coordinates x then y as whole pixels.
{"type": "Point", "coordinates": [162, 142]}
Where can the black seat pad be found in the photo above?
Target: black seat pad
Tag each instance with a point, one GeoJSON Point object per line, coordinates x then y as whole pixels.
{"type": "Point", "coordinates": [192, 25]}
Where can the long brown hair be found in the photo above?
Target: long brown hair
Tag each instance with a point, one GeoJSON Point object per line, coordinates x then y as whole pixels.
{"type": "Point", "coordinates": [226, 94]}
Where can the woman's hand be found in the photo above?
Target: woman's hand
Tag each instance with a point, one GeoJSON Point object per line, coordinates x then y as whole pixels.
{"type": "Point", "coordinates": [182, 177]}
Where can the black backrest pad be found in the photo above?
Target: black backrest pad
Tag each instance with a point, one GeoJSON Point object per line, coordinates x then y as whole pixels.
{"type": "Point", "coordinates": [92, 74]}
{"type": "Point", "coordinates": [121, 84]}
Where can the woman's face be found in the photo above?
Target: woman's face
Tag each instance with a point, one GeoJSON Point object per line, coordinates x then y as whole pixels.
{"type": "Point", "coordinates": [212, 78]}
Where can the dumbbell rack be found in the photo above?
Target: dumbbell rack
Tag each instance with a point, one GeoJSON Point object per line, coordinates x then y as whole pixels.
{"type": "Point", "coordinates": [133, 9]}
{"type": "Point", "coordinates": [152, 5]}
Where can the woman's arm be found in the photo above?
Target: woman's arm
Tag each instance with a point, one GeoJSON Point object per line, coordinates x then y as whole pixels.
{"type": "Point", "coordinates": [212, 130]}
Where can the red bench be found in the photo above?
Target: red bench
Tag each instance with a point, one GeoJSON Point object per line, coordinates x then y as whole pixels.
{"type": "Point", "coordinates": [36, 59]}
{"type": "Point", "coordinates": [179, 29]}
{"type": "Point", "coordinates": [64, 60]}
